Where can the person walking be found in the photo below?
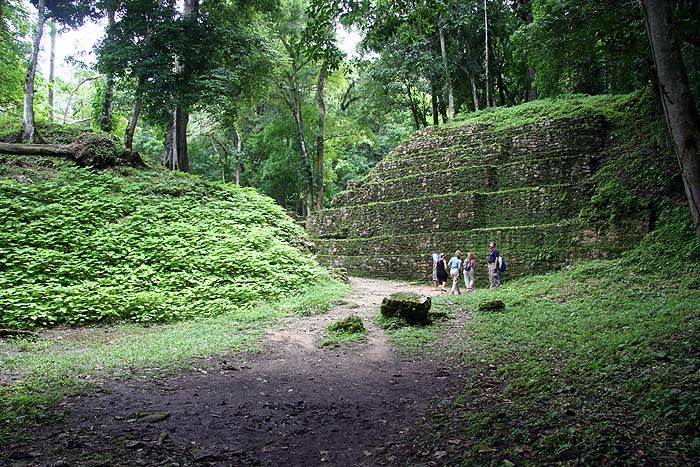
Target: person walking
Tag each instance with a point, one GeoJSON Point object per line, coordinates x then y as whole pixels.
{"type": "Point", "coordinates": [441, 272]}
{"type": "Point", "coordinates": [436, 258]}
{"type": "Point", "coordinates": [455, 264]}
{"type": "Point", "coordinates": [492, 262]}
{"type": "Point", "coordinates": [469, 268]}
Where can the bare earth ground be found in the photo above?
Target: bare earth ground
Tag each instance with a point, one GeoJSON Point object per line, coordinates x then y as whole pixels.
{"type": "Point", "coordinates": [292, 403]}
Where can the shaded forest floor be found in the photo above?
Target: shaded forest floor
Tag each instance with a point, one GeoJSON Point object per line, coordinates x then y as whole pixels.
{"type": "Point", "coordinates": [292, 402]}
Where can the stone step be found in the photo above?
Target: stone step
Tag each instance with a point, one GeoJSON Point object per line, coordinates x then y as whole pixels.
{"type": "Point", "coordinates": [498, 146]}
{"type": "Point", "coordinates": [452, 211]}
{"type": "Point", "coordinates": [485, 178]}
{"type": "Point", "coordinates": [453, 160]}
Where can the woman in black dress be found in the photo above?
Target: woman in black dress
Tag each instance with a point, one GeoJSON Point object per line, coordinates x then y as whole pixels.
{"type": "Point", "coordinates": [441, 269]}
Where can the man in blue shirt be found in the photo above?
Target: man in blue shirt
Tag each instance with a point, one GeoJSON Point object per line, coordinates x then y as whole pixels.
{"type": "Point", "coordinates": [492, 261]}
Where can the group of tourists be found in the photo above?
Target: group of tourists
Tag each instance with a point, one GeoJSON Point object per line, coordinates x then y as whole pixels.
{"type": "Point", "coordinates": [456, 267]}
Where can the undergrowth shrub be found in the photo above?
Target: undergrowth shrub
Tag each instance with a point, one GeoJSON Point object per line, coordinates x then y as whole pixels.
{"type": "Point", "coordinates": [78, 246]}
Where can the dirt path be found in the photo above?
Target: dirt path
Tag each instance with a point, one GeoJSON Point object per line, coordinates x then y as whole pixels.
{"type": "Point", "coordinates": [290, 404]}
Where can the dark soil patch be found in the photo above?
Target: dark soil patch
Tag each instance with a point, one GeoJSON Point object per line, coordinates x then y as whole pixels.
{"type": "Point", "coordinates": [292, 403]}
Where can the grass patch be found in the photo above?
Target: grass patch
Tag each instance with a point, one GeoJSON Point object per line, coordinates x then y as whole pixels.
{"type": "Point", "coordinates": [546, 109]}
{"type": "Point", "coordinates": [598, 364]}
{"type": "Point", "coordinates": [39, 373]}
{"type": "Point", "coordinates": [408, 338]}
{"type": "Point", "coordinates": [412, 338]}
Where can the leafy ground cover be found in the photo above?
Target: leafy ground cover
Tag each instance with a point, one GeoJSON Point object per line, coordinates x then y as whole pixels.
{"type": "Point", "coordinates": [79, 246]}
{"type": "Point", "coordinates": [598, 364]}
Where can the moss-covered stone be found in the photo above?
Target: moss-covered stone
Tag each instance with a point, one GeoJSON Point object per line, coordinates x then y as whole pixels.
{"type": "Point", "coordinates": [411, 307]}
{"type": "Point", "coordinates": [491, 305]}
{"type": "Point", "coordinates": [350, 325]}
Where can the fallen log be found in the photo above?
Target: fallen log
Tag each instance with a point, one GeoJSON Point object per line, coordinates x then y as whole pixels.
{"type": "Point", "coordinates": [89, 150]}
{"type": "Point", "coordinates": [57, 150]}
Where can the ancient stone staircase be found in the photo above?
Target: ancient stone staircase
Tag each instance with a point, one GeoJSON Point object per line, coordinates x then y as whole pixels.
{"type": "Point", "coordinates": [460, 187]}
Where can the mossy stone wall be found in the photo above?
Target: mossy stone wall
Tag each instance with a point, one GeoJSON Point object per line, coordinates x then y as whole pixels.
{"type": "Point", "coordinates": [461, 187]}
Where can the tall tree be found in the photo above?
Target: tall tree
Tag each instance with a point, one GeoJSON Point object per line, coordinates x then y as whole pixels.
{"type": "Point", "coordinates": [175, 152]}
{"type": "Point", "coordinates": [679, 105]}
{"type": "Point", "coordinates": [52, 70]}
{"type": "Point", "coordinates": [487, 58]}
{"type": "Point", "coordinates": [69, 13]}
{"type": "Point", "coordinates": [448, 77]}
{"type": "Point", "coordinates": [290, 90]}
{"type": "Point", "coordinates": [28, 124]}
{"type": "Point", "coordinates": [321, 46]}
{"type": "Point", "coordinates": [107, 104]}
{"type": "Point", "coordinates": [137, 53]}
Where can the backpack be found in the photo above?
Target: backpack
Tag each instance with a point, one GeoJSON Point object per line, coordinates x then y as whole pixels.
{"type": "Point", "coordinates": [501, 264]}
{"type": "Point", "coordinates": [468, 265]}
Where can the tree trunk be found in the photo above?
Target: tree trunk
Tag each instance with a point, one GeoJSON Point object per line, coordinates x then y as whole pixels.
{"type": "Point", "coordinates": [434, 100]}
{"type": "Point", "coordinates": [134, 117]}
{"type": "Point", "coordinates": [52, 70]}
{"type": "Point", "coordinates": [472, 79]}
{"type": "Point", "coordinates": [448, 77]}
{"type": "Point", "coordinates": [169, 158]}
{"type": "Point", "coordinates": [501, 89]}
{"type": "Point", "coordinates": [106, 119]}
{"type": "Point", "coordinates": [443, 108]}
{"type": "Point", "coordinates": [83, 154]}
{"type": "Point", "coordinates": [487, 64]}
{"type": "Point", "coordinates": [532, 92]}
{"type": "Point", "coordinates": [182, 118]}
{"type": "Point", "coordinates": [28, 128]}
{"type": "Point", "coordinates": [238, 146]}
{"type": "Point", "coordinates": [320, 140]}
{"type": "Point", "coordinates": [414, 108]}
{"type": "Point", "coordinates": [679, 106]}
{"type": "Point", "coordinates": [295, 107]}
{"type": "Point", "coordinates": [175, 155]}
{"type": "Point", "coordinates": [475, 94]}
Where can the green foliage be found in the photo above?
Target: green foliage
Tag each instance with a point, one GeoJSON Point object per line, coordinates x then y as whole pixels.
{"type": "Point", "coordinates": [145, 246]}
{"type": "Point", "coordinates": [579, 47]}
{"type": "Point", "coordinates": [14, 25]}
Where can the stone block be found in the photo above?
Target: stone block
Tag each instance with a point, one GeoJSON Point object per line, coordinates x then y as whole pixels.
{"type": "Point", "coordinates": [411, 307]}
